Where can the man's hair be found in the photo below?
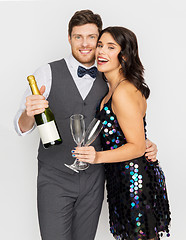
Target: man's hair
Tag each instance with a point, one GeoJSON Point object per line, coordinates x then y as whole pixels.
{"type": "Point", "coordinates": [84, 17]}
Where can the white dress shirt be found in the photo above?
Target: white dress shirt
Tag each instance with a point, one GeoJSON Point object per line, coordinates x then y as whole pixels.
{"type": "Point", "coordinates": [43, 76]}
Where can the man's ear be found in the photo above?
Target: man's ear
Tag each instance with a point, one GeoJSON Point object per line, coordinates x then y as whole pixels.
{"type": "Point", "coordinates": [69, 39]}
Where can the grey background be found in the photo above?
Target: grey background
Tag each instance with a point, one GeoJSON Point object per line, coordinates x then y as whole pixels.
{"type": "Point", "coordinates": [33, 33]}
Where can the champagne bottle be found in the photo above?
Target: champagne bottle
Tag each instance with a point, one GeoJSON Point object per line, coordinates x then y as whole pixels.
{"type": "Point", "coordinates": [45, 121]}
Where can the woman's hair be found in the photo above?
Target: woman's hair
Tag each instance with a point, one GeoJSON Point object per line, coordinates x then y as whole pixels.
{"type": "Point", "coordinates": [132, 67]}
{"type": "Point", "coordinates": [84, 17]}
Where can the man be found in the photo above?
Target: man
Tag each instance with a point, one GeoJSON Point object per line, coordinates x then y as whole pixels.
{"type": "Point", "coordinates": [69, 203]}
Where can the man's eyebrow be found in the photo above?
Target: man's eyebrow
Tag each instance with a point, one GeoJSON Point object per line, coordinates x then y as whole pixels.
{"type": "Point", "coordinates": [93, 34]}
{"type": "Point", "coordinates": [78, 34]}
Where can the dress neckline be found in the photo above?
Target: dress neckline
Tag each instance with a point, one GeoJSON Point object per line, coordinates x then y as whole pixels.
{"type": "Point", "coordinates": [144, 117]}
{"type": "Point", "coordinates": [106, 104]}
{"type": "Point", "coordinates": [111, 96]}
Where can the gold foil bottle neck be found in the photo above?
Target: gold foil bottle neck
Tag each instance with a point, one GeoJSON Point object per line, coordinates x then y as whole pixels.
{"type": "Point", "coordinates": [33, 85]}
{"type": "Point", "coordinates": [31, 79]}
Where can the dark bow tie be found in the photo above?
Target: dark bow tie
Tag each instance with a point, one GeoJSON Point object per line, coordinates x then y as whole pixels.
{"type": "Point", "coordinates": [82, 71]}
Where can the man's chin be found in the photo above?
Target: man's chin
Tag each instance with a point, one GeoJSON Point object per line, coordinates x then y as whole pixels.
{"type": "Point", "coordinates": [86, 59]}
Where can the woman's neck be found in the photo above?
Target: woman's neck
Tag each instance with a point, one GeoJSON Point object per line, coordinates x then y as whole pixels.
{"type": "Point", "coordinates": [114, 79]}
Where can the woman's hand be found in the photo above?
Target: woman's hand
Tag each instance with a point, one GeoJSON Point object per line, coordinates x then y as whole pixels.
{"type": "Point", "coordinates": [86, 154]}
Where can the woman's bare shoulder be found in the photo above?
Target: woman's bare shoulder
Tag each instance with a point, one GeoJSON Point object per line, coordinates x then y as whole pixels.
{"type": "Point", "coordinates": [126, 94]}
{"type": "Point", "coordinates": [126, 90]}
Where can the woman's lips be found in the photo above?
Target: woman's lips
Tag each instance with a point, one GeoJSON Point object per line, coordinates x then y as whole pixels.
{"type": "Point", "coordinates": [101, 60]}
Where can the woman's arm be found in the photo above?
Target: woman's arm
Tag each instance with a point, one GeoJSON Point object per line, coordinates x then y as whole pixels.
{"type": "Point", "coordinates": [129, 107]}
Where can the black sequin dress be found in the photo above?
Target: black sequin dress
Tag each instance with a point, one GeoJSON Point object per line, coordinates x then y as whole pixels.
{"type": "Point", "coordinates": [136, 190]}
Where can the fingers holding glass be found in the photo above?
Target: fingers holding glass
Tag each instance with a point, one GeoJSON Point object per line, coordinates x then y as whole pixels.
{"type": "Point", "coordinates": [85, 154]}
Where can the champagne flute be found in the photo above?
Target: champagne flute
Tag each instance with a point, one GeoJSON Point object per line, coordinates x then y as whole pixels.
{"type": "Point", "coordinates": [77, 126]}
{"type": "Point", "coordinates": [92, 132]}
{"type": "Point", "coordinates": [81, 137]}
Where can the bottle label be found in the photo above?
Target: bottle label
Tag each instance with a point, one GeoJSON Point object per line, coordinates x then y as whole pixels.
{"type": "Point", "coordinates": [48, 132]}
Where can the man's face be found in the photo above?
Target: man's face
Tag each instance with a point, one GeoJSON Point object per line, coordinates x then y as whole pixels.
{"type": "Point", "coordinates": [83, 42]}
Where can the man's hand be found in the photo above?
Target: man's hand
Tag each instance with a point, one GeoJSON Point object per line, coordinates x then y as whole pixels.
{"type": "Point", "coordinates": [35, 104]}
{"type": "Point", "coordinates": [151, 151]}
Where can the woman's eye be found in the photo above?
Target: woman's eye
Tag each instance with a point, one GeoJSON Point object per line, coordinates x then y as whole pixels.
{"type": "Point", "coordinates": [111, 47]}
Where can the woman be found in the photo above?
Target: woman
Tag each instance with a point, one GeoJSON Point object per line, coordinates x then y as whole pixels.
{"type": "Point", "coordinates": [137, 198]}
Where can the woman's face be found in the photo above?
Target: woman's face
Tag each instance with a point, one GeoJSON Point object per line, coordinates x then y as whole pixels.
{"type": "Point", "coordinates": [107, 54]}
